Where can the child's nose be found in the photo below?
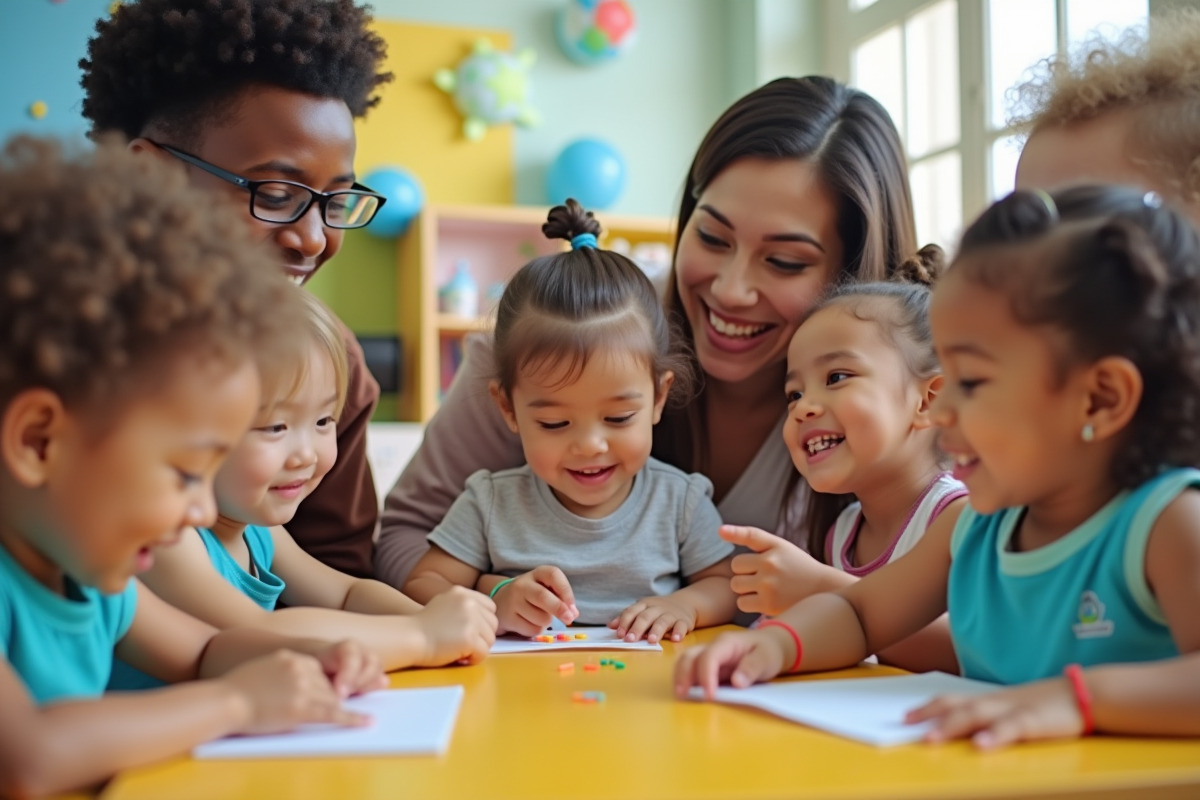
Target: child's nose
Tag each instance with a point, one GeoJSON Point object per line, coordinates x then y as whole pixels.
{"type": "Point", "coordinates": [591, 442]}
{"type": "Point", "coordinates": [202, 509]}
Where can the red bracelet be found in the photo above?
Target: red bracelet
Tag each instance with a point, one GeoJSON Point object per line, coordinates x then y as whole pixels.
{"type": "Point", "coordinates": [795, 637]}
{"type": "Point", "coordinates": [1083, 698]}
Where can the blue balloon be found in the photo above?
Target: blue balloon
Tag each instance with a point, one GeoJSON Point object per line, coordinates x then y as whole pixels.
{"type": "Point", "coordinates": [404, 200]}
{"type": "Point", "coordinates": [589, 170]}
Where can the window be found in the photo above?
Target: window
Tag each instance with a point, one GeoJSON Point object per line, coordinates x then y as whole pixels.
{"type": "Point", "coordinates": [944, 70]}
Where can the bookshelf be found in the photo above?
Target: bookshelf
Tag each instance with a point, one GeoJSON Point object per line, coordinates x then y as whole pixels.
{"type": "Point", "coordinates": [495, 241]}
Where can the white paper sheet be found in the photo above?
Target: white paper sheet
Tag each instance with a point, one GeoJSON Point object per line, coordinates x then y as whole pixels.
{"type": "Point", "coordinates": [405, 722]}
{"type": "Point", "coordinates": [598, 638]}
{"type": "Point", "coordinates": [869, 710]}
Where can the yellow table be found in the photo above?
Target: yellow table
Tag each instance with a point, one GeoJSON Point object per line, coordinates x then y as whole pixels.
{"type": "Point", "coordinates": [519, 735]}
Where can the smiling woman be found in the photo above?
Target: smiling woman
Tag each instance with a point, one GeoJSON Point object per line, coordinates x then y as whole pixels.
{"type": "Point", "coordinates": [799, 183]}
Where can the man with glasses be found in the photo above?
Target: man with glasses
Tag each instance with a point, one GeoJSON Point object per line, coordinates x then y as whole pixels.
{"type": "Point", "coordinates": [257, 99]}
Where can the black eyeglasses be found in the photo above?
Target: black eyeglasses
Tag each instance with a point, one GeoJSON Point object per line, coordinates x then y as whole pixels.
{"type": "Point", "coordinates": [287, 201]}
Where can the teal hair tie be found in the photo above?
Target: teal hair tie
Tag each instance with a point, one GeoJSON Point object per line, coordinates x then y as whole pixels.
{"type": "Point", "coordinates": [583, 240]}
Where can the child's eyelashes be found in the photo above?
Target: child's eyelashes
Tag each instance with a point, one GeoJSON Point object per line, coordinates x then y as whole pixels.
{"type": "Point", "coordinates": [326, 422]}
{"type": "Point", "coordinates": [188, 479]}
{"type": "Point", "coordinates": [274, 427]}
{"type": "Point", "coordinates": [968, 386]}
{"type": "Point", "coordinates": [793, 395]}
{"type": "Point", "coordinates": [624, 419]}
{"type": "Point", "coordinates": [837, 376]}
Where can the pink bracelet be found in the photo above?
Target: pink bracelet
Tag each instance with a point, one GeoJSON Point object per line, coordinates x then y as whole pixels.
{"type": "Point", "coordinates": [1074, 674]}
{"type": "Point", "coordinates": [795, 637]}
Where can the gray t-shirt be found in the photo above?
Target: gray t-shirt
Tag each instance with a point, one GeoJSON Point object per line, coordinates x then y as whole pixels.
{"type": "Point", "coordinates": [468, 434]}
{"type": "Point", "coordinates": [508, 522]}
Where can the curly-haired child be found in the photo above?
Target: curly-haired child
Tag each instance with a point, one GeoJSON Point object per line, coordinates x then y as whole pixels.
{"type": "Point", "coordinates": [257, 99]}
{"type": "Point", "coordinates": [1123, 111]}
{"type": "Point", "coordinates": [131, 312]}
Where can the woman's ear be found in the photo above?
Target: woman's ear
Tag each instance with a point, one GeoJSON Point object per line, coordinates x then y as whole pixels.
{"type": "Point", "coordinates": [1113, 387]}
{"type": "Point", "coordinates": [504, 403]}
{"type": "Point", "coordinates": [31, 423]}
{"type": "Point", "coordinates": [661, 392]}
{"type": "Point", "coordinates": [930, 389]}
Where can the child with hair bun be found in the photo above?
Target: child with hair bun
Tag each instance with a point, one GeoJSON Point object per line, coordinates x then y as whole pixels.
{"type": "Point", "coordinates": [591, 530]}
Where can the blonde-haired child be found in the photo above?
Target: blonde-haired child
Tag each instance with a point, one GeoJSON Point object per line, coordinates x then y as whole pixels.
{"type": "Point", "coordinates": [592, 530]}
{"type": "Point", "coordinates": [233, 572]}
{"type": "Point", "coordinates": [130, 310]}
{"type": "Point", "coordinates": [1068, 332]}
{"type": "Point", "coordinates": [1123, 111]}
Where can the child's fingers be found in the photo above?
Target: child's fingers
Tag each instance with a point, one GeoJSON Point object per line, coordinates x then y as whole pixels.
{"type": "Point", "coordinates": [756, 539]}
{"type": "Point", "coordinates": [658, 629]}
{"type": "Point", "coordinates": [685, 671]}
{"type": "Point", "coordinates": [746, 564]}
{"type": "Point", "coordinates": [744, 583]}
{"type": "Point", "coordinates": [641, 623]}
{"type": "Point", "coordinates": [680, 630]}
{"type": "Point", "coordinates": [752, 603]}
{"type": "Point", "coordinates": [349, 719]}
{"type": "Point", "coordinates": [556, 581]}
{"type": "Point", "coordinates": [627, 617]}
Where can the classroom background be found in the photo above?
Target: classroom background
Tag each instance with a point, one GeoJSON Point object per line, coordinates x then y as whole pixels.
{"type": "Point", "coordinates": [616, 95]}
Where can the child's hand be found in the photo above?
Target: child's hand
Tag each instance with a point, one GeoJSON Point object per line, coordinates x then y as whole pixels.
{"type": "Point", "coordinates": [351, 667]}
{"type": "Point", "coordinates": [1043, 710]}
{"type": "Point", "coordinates": [740, 659]}
{"type": "Point", "coordinates": [286, 689]}
{"type": "Point", "coordinates": [528, 604]}
{"type": "Point", "coordinates": [775, 576]}
{"type": "Point", "coordinates": [655, 618]}
{"type": "Point", "coordinates": [459, 626]}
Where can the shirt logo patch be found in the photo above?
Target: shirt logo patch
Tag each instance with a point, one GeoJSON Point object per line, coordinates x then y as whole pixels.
{"type": "Point", "coordinates": [1092, 624]}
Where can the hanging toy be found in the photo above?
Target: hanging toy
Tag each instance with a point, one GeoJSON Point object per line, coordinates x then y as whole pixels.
{"type": "Point", "coordinates": [490, 87]}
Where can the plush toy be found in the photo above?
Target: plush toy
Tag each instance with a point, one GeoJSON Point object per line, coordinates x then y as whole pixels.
{"type": "Point", "coordinates": [490, 87]}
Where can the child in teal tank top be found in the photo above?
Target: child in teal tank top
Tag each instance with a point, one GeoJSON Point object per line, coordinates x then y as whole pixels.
{"type": "Point", "coordinates": [233, 572]}
{"type": "Point", "coordinates": [131, 311]}
{"type": "Point", "coordinates": [1069, 333]}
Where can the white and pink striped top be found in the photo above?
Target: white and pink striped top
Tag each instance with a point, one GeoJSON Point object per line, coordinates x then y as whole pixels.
{"type": "Point", "coordinates": [941, 491]}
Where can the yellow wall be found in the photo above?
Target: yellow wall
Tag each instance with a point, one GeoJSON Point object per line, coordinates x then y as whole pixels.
{"type": "Point", "coordinates": [415, 126]}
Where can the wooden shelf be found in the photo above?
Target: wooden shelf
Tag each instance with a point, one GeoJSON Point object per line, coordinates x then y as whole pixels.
{"type": "Point", "coordinates": [495, 241]}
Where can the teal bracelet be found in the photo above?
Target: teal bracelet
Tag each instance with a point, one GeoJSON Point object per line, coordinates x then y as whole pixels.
{"type": "Point", "coordinates": [500, 586]}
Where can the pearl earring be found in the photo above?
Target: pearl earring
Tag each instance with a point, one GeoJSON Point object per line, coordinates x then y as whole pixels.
{"type": "Point", "coordinates": [1088, 433]}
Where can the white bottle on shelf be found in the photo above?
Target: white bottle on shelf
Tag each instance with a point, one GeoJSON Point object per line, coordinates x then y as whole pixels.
{"type": "Point", "coordinates": [460, 294]}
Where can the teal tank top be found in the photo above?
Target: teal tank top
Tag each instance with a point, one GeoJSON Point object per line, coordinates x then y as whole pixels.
{"type": "Point", "coordinates": [60, 645]}
{"type": "Point", "coordinates": [1018, 617]}
{"type": "Point", "coordinates": [265, 586]}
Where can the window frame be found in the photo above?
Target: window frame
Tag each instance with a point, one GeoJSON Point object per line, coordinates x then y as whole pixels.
{"type": "Point", "coordinates": [845, 29]}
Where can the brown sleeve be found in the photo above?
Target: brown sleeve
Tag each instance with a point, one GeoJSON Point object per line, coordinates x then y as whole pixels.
{"type": "Point", "coordinates": [336, 523]}
{"type": "Point", "coordinates": [466, 434]}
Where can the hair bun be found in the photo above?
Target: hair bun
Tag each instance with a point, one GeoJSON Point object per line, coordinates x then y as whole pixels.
{"type": "Point", "coordinates": [569, 220]}
{"type": "Point", "coordinates": [924, 268]}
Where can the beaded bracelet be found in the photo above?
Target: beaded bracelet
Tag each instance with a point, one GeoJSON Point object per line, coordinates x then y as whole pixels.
{"type": "Point", "coordinates": [795, 637]}
{"type": "Point", "coordinates": [1074, 674]}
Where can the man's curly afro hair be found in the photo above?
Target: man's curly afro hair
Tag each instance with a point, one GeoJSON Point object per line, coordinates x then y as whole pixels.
{"type": "Point", "coordinates": [178, 63]}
